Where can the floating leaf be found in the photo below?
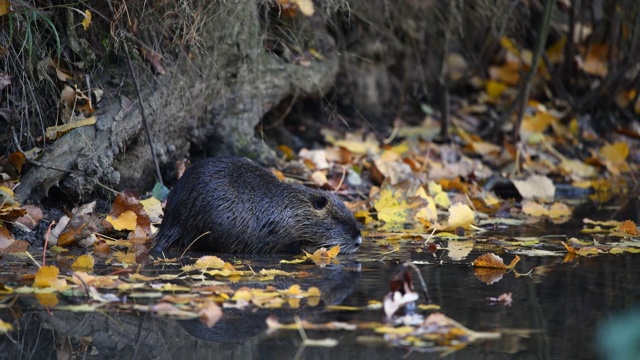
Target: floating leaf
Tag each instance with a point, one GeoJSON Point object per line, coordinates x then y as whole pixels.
{"type": "Point", "coordinates": [629, 227]}
{"type": "Point", "coordinates": [47, 276]}
{"type": "Point", "coordinates": [210, 313]}
{"type": "Point", "coordinates": [494, 261]}
{"type": "Point", "coordinates": [460, 215]}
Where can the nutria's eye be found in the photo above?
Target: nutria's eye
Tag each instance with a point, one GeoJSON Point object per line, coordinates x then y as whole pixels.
{"type": "Point", "coordinates": [319, 202]}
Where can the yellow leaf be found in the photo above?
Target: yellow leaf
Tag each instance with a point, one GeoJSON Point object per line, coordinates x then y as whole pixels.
{"type": "Point", "coordinates": [494, 89]}
{"type": "Point", "coordinates": [4, 326]}
{"type": "Point", "coordinates": [402, 330]}
{"type": "Point", "coordinates": [294, 290]}
{"type": "Point", "coordinates": [48, 299]}
{"type": "Point", "coordinates": [153, 208]}
{"type": "Point", "coordinates": [83, 262]}
{"type": "Point", "coordinates": [358, 145]}
{"type": "Point", "coordinates": [87, 19]}
{"type": "Point", "coordinates": [509, 45]}
{"type": "Point", "coordinates": [305, 6]}
{"type": "Point", "coordinates": [533, 208]}
{"type": "Point", "coordinates": [485, 148]}
{"type": "Point", "coordinates": [429, 212]}
{"type": "Point", "coordinates": [558, 210]}
{"type": "Point", "coordinates": [126, 221]}
{"type": "Point", "coordinates": [555, 52]}
{"type": "Point", "coordinates": [5, 7]}
{"type": "Point", "coordinates": [209, 262]}
{"type": "Point", "coordinates": [313, 291]}
{"type": "Point", "coordinates": [47, 276]}
{"type": "Point", "coordinates": [54, 132]}
{"type": "Point", "coordinates": [460, 215]}
{"type": "Point", "coordinates": [615, 153]}
{"type": "Point", "coordinates": [577, 168]}
{"type": "Point", "coordinates": [536, 123]}
{"type": "Point", "coordinates": [440, 197]}
{"type": "Point", "coordinates": [334, 251]}
{"type": "Point", "coordinates": [391, 208]}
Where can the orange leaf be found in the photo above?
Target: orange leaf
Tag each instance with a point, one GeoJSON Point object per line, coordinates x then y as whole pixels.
{"type": "Point", "coordinates": [489, 261]}
{"type": "Point", "coordinates": [629, 227]}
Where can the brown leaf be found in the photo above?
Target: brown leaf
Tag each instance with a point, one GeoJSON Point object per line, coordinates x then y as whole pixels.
{"type": "Point", "coordinates": [128, 202]}
{"type": "Point", "coordinates": [154, 58]}
{"type": "Point", "coordinates": [210, 313]}
{"type": "Point", "coordinates": [16, 246]}
{"type": "Point", "coordinates": [489, 261]}
{"type": "Point", "coordinates": [5, 237]}
{"type": "Point", "coordinates": [32, 217]}
{"type": "Point", "coordinates": [489, 276]}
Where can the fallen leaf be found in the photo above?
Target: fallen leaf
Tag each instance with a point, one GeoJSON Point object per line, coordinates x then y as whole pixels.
{"type": "Point", "coordinates": [535, 186]}
{"type": "Point", "coordinates": [47, 276]}
{"type": "Point", "coordinates": [87, 19]}
{"type": "Point", "coordinates": [83, 262]}
{"type": "Point", "coordinates": [54, 132]}
{"type": "Point", "coordinates": [48, 300]}
{"type": "Point", "coordinates": [4, 326]}
{"type": "Point", "coordinates": [629, 227]}
{"type": "Point", "coordinates": [305, 6]}
{"type": "Point", "coordinates": [489, 261]}
{"type": "Point", "coordinates": [210, 313]}
{"type": "Point", "coordinates": [494, 261]}
{"type": "Point", "coordinates": [126, 221]}
{"type": "Point", "coordinates": [32, 217]}
{"type": "Point", "coordinates": [460, 215]}
{"type": "Point", "coordinates": [154, 58]}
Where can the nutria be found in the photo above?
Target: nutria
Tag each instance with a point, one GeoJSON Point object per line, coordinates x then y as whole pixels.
{"type": "Point", "coordinates": [232, 205]}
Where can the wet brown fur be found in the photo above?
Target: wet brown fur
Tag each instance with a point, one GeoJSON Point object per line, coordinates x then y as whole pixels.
{"type": "Point", "coordinates": [247, 209]}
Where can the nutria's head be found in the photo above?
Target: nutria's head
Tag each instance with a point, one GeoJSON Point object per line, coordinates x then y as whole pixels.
{"type": "Point", "coordinates": [322, 220]}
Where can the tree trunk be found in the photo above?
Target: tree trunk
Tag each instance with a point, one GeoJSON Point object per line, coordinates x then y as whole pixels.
{"type": "Point", "coordinates": [216, 99]}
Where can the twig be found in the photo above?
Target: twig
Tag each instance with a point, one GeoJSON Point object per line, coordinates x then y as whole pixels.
{"type": "Point", "coordinates": [425, 291]}
{"type": "Point", "coordinates": [46, 241]}
{"type": "Point", "coordinates": [143, 114]}
{"type": "Point", "coordinates": [526, 90]}
{"type": "Point", "coordinates": [193, 242]}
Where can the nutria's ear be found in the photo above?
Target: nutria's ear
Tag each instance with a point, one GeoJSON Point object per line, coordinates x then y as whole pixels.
{"type": "Point", "coordinates": [319, 202]}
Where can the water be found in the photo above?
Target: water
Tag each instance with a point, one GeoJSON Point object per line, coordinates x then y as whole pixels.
{"type": "Point", "coordinates": [556, 313]}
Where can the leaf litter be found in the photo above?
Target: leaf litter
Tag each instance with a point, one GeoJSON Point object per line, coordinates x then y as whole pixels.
{"type": "Point", "coordinates": [454, 201]}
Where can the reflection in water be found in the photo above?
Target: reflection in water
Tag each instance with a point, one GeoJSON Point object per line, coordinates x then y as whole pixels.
{"type": "Point", "coordinates": [555, 314]}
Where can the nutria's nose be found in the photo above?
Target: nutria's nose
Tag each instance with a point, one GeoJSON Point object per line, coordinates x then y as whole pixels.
{"type": "Point", "coordinates": [358, 241]}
